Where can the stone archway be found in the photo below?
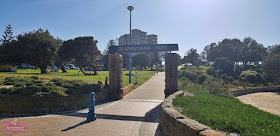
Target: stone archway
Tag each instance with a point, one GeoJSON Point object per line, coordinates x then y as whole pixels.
{"type": "Point", "coordinates": [115, 67]}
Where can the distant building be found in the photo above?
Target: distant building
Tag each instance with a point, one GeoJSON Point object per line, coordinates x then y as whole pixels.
{"type": "Point", "coordinates": [152, 39]}
{"type": "Point", "coordinates": [138, 37]}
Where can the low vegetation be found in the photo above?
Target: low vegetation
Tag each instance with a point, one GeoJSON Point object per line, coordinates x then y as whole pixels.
{"type": "Point", "coordinates": [213, 106]}
{"type": "Point", "coordinates": [36, 86]}
{"type": "Point", "coordinates": [227, 113]}
{"type": "Point", "coordinates": [31, 82]}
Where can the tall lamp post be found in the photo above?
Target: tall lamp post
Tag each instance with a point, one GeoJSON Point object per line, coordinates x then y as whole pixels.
{"type": "Point", "coordinates": [130, 8]}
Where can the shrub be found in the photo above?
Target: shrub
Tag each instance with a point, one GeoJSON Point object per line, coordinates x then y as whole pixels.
{"type": "Point", "coordinates": [39, 84]}
{"type": "Point", "coordinates": [56, 80]}
{"type": "Point", "coordinates": [223, 65]}
{"type": "Point", "coordinates": [38, 81]}
{"type": "Point", "coordinates": [227, 78]}
{"type": "Point", "coordinates": [6, 91]}
{"type": "Point", "coordinates": [35, 77]}
{"type": "Point", "coordinates": [11, 80]}
{"type": "Point", "coordinates": [8, 83]}
{"type": "Point", "coordinates": [7, 68]}
{"type": "Point", "coordinates": [190, 75]}
{"type": "Point", "coordinates": [251, 77]}
{"type": "Point", "coordinates": [49, 84]}
{"type": "Point", "coordinates": [73, 91]}
{"type": "Point", "coordinates": [48, 88]}
{"type": "Point", "coordinates": [27, 91]}
{"type": "Point", "coordinates": [78, 83]}
{"type": "Point", "coordinates": [29, 84]}
{"type": "Point", "coordinates": [19, 84]}
{"type": "Point", "coordinates": [57, 93]}
{"type": "Point", "coordinates": [201, 78]}
{"type": "Point", "coordinates": [215, 86]}
{"type": "Point", "coordinates": [211, 72]}
{"type": "Point", "coordinates": [67, 85]}
{"type": "Point", "coordinates": [59, 81]}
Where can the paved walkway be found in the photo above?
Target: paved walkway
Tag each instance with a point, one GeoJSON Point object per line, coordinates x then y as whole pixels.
{"type": "Point", "coordinates": [137, 114]}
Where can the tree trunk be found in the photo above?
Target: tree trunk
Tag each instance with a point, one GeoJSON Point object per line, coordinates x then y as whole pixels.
{"type": "Point", "coordinates": [81, 69]}
{"type": "Point", "coordinates": [63, 69]}
{"type": "Point", "coordinates": [95, 72]}
{"type": "Point", "coordinates": [43, 70]}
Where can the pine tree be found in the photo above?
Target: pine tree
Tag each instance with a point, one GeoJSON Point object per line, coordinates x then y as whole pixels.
{"type": "Point", "coordinates": [8, 35]}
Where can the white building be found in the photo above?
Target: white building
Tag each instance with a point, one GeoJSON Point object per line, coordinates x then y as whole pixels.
{"type": "Point", "coordinates": [138, 37]}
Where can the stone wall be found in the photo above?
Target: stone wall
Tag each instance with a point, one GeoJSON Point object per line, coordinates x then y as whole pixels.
{"type": "Point", "coordinates": [128, 89]}
{"type": "Point", "coordinates": [17, 104]}
{"type": "Point", "coordinates": [174, 123]}
{"type": "Point", "coordinates": [239, 92]}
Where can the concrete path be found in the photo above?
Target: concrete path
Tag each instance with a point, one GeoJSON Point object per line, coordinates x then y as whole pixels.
{"type": "Point", "coordinates": [137, 114]}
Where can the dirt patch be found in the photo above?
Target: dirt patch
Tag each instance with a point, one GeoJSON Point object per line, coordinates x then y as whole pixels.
{"type": "Point", "coordinates": [267, 101]}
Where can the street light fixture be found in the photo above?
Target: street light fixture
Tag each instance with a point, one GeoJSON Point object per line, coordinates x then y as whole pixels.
{"type": "Point", "coordinates": [130, 8]}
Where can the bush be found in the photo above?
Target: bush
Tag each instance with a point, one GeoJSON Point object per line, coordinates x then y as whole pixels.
{"type": "Point", "coordinates": [211, 72]}
{"type": "Point", "coordinates": [35, 77]}
{"type": "Point", "coordinates": [67, 85]}
{"type": "Point", "coordinates": [19, 84]}
{"type": "Point", "coordinates": [216, 86]}
{"type": "Point", "coordinates": [39, 84]}
{"type": "Point", "coordinates": [57, 93]}
{"type": "Point", "coordinates": [8, 83]}
{"type": "Point", "coordinates": [11, 80]}
{"type": "Point", "coordinates": [223, 66]}
{"type": "Point", "coordinates": [6, 91]}
{"type": "Point", "coordinates": [49, 84]}
{"type": "Point", "coordinates": [227, 78]}
{"type": "Point", "coordinates": [202, 78]}
{"type": "Point", "coordinates": [7, 68]}
{"type": "Point", "coordinates": [29, 84]}
{"type": "Point", "coordinates": [78, 83]}
{"type": "Point", "coordinates": [59, 81]}
{"type": "Point", "coordinates": [27, 91]}
{"type": "Point", "coordinates": [250, 77]}
{"type": "Point", "coordinates": [190, 75]}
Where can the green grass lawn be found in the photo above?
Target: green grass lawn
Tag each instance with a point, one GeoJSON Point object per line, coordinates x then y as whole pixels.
{"type": "Point", "coordinates": [227, 113]}
{"type": "Point", "coordinates": [143, 76]}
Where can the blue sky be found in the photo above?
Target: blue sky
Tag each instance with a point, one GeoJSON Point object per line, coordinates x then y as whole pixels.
{"type": "Point", "coordinates": [190, 23]}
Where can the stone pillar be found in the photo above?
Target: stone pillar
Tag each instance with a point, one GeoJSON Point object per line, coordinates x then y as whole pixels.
{"type": "Point", "coordinates": [115, 76]}
{"type": "Point", "coordinates": [171, 73]}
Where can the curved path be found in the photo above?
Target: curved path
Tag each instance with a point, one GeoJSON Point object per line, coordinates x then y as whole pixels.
{"type": "Point", "coordinates": [137, 114]}
{"type": "Point", "coordinates": [267, 101]}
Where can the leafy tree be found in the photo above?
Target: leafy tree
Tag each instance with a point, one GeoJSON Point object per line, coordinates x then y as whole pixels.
{"type": "Point", "coordinates": [8, 35]}
{"type": "Point", "coordinates": [106, 52]}
{"type": "Point", "coordinates": [191, 57]}
{"type": "Point", "coordinates": [271, 64]}
{"type": "Point", "coordinates": [223, 66]}
{"type": "Point", "coordinates": [140, 60]}
{"type": "Point", "coordinates": [84, 52]}
{"type": "Point", "coordinates": [235, 50]}
{"type": "Point", "coordinates": [250, 49]}
{"type": "Point", "coordinates": [64, 55]}
{"type": "Point", "coordinates": [36, 48]}
{"type": "Point", "coordinates": [153, 58]}
{"type": "Point", "coordinates": [228, 48]}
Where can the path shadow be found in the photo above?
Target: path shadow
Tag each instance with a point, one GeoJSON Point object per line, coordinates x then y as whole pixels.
{"type": "Point", "coordinates": [79, 124]}
{"type": "Point", "coordinates": [153, 116]}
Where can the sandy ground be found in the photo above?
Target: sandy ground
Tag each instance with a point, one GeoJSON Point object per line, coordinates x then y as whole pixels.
{"type": "Point", "coordinates": [267, 101]}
